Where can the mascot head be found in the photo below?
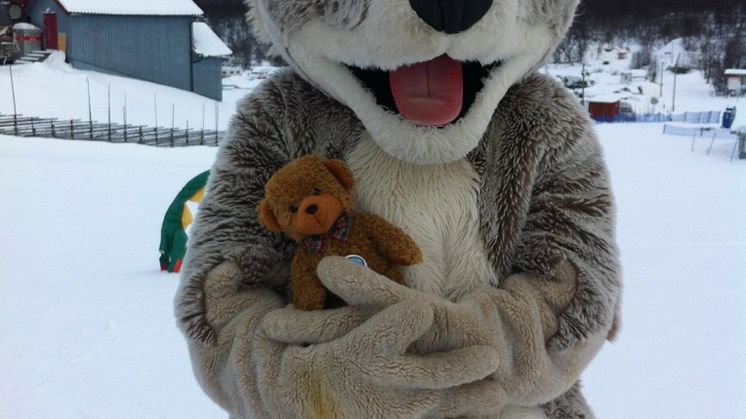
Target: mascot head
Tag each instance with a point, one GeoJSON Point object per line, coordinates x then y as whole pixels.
{"type": "Point", "coordinates": [423, 76]}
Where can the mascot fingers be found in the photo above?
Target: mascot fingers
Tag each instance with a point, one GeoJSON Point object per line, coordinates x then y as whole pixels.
{"type": "Point", "coordinates": [297, 327]}
{"type": "Point", "coordinates": [360, 286]}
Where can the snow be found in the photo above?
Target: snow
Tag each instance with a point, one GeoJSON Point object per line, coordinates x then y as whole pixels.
{"type": "Point", "coordinates": [206, 42]}
{"type": "Point", "coordinates": [735, 72]}
{"type": "Point", "coordinates": [682, 235]}
{"type": "Point", "coordinates": [23, 26]}
{"type": "Point", "coordinates": [739, 123]}
{"type": "Point", "coordinates": [612, 98]}
{"type": "Point", "coordinates": [55, 89]}
{"type": "Point", "coordinates": [87, 328]}
{"type": "Point", "coordinates": [86, 321]}
{"type": "Point", "coordinates": [675, 53]}
{"type": "Point", "coordinates": [132, 7]}
{"type": "Point", "coordinates": [693, 93]}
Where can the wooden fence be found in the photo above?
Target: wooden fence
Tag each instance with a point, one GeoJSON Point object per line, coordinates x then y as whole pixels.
{"type": "Point", "coordinates": [76, 129]}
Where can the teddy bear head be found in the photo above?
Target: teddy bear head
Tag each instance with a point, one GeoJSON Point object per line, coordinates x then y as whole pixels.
{"type": "Point", "coordinates": [306, 197]}
{"type": "Point", "coordinates": [423, 76]}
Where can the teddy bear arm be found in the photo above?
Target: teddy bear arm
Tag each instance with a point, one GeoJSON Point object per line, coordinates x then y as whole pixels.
{"type": "Point", "coordinates": [307, 291]}
{"type": "Point", "coordinates": [391, 241]}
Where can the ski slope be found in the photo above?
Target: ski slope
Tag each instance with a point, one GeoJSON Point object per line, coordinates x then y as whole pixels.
{"type": "Point", "coordinates": [86, 323]}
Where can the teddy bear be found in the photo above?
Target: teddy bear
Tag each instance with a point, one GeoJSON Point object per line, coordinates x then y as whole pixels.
{"type": "Point", "coordinates": [310, 201]}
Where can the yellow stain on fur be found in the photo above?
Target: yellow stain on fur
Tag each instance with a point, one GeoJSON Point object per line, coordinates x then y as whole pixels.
{"type": "Point", "coordinates": [322, 406]}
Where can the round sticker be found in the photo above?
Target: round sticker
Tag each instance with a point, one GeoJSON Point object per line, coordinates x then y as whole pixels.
{"type": "Point", "coordinates": [357, 260]}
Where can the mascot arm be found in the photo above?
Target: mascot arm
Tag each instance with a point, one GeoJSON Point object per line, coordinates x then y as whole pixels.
{"type": "Point", "coordinates": [549, 318]}
{"type": "Point", "coordinates": [570, 218]}
{"type": "Point", "coordinates": [228, 305]}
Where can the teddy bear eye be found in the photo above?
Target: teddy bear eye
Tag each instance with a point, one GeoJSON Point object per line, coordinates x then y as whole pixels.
{"type": "Point", "coordinates": [293, 208]}
{"type": "Point", "coordinates": [316, 191]}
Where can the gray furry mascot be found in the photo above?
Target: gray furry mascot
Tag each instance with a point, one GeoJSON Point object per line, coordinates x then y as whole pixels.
{"type": "Point", "coordinates": [492, 168]}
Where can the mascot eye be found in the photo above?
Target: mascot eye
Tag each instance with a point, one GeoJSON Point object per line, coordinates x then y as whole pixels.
{"type": "Point", "coordinates": [293, 208]}
{"type": "Point", "coordinates": [316, 191]}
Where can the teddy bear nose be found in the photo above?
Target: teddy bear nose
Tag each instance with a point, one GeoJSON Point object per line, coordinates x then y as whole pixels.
{"type": "Point", "coordinates": [451, 16]}
{"type": "Point", "coordinates": [311, 209]}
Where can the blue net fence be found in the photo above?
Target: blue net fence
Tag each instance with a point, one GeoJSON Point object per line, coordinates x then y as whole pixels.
{"type": "Point", "coordinates": [710, 132]}
{"type": "Point", "coordinates": [711, 117]}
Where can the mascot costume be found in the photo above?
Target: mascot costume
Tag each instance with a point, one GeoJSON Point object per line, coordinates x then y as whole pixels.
{"type": "Point", "coordinates": [452, 136]}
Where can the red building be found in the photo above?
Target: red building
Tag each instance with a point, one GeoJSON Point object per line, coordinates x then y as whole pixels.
{"type": "Point", "coordinates": [604, 108]}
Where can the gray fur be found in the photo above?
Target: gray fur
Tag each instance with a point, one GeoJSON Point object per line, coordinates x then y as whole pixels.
{"type": "Point", "coordinates": [544, 197]}
{"type": "Point", "coordinates": [571, 405]}
{"type": "Point", "coordinates": [288, 16]}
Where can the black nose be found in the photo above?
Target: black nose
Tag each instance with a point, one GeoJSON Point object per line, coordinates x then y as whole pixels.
{"type": "Point", "coordinates": [311, 209]}
{"type": "Point", "coordinates": [451, 16]}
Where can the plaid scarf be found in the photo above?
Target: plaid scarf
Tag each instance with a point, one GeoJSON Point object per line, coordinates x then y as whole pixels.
{"type": "Point", "coordinates": [339, 231]}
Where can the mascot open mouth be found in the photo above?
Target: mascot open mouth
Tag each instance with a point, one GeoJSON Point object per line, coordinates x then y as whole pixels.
{"type": "Point", "coordinates": [431, 93]}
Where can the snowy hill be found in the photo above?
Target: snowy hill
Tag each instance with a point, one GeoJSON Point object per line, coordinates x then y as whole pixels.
{"type": "Point", "coordinates": [604, 70]}
{"type": "Point", "coordinates": [55, 89]}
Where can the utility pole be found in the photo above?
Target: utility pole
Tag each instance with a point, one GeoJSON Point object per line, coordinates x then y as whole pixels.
{"type": "Point", "coordinates": [582, 93]}
{"type": "Point", "coordinates": [15, 109]}
{"type": "Point", "coordinates": [660, 76]}
{"type": "Point", "coordinates": [673, 102]}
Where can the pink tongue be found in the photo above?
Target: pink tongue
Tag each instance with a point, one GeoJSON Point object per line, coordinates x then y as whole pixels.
{"type": "Point", "coordinates": [429, 93]}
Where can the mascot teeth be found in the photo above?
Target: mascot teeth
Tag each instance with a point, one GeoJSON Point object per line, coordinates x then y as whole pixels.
{"type": "Point", "coordinates": [431, 93]}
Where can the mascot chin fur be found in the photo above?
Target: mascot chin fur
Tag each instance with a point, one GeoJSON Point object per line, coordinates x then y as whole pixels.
{"type": "Point", "coordinates": [493, 169]}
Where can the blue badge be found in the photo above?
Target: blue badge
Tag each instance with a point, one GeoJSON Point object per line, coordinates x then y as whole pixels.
{"type": "Point", "coordinates": [357, 260]}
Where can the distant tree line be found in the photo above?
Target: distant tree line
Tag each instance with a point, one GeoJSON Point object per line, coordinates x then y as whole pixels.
{"type": "Point", "coordinates": [715, 29]}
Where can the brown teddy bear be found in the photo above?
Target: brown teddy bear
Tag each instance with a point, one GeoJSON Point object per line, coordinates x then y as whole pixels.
{"type": "Point", "coordinates": [310, 200]}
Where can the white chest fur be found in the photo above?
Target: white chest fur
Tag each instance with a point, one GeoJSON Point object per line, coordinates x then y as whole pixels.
{"type": "Point", "coordinates": [437, 206]}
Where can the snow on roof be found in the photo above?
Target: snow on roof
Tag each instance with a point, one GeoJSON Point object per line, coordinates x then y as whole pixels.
{"type": "Point", "coordinates": [24, 26]}
{"type": "Point", "coordinates": [735, 72]}
{"type": "Point", "coordinates": [132, 7]}
{"type": "Point", "coordinates": [206, 42]}
{"type": "Point", "coordinates": [605, 99]}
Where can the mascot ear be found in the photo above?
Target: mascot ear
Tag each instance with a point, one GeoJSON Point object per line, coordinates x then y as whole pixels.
{"type": "Point", "coordinates": [341, 172]}
{"type": "Point", "coordinates": [267, 217]}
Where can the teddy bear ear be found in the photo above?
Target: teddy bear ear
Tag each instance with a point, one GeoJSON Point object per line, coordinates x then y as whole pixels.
{"type": "Point", "coordinates": [267, 217]}
{"type": "Point", "coordinates": [341, 172]}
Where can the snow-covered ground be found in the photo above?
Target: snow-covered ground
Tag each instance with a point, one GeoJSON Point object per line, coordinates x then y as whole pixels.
{"type": "Point", "coordinates": [86, 324]}
{"type": "Point", "coordinates": [55, 89]}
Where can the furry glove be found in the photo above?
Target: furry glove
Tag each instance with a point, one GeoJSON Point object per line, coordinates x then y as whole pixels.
{"type": "Point", "coordinates": [366, 372]}
{"type": "Point", "coordinates": [518, 320]}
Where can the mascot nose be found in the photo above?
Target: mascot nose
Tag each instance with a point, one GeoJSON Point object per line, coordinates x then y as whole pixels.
{"type": "Point", "coordinates": [451, 16]}
{"type": "Point", "coordinates": [311, 209]}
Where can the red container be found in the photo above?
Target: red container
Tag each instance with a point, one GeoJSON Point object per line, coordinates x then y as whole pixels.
{"type": "Point", "coordinates": [50, 30]}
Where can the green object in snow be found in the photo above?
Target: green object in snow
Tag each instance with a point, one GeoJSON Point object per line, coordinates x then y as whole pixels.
{"type": "Point", "coordinates": [176, 220]}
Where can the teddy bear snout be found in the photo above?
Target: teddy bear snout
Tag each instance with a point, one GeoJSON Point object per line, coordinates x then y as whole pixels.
{"type": "Point", "coordinates": [316, 214]}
